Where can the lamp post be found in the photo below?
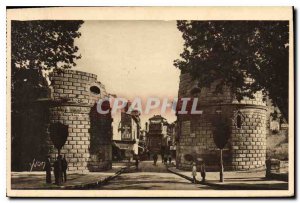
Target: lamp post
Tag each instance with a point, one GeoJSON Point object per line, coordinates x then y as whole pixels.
{"type": "Point", "coordinates": [218, 112]}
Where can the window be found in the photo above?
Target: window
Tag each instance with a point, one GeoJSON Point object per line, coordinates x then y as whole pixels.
{"type": "Point", "coordinates": [239, 121]}
{"type": "Point", "coordinates": [95, 90]}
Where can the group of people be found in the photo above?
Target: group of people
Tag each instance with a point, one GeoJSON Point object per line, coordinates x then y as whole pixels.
{"type": "Point", "coordinates": [202, 171]}
{"type": "Point", "coordinates": [164, 159]}
{"type": "Point", "coordinates": [60, 169]}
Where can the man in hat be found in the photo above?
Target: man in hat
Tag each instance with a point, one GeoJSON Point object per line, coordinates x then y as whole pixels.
{"type": "Point", "coordinates": [64, 168]}
{"type": "Point", "coordinates": [202, 170]}
{"type": "Point", "coordinates": [48, 169]}
{"type": "Point", "coordinates": [58, 170]}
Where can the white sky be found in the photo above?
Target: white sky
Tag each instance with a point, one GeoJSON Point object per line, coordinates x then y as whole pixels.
{"type": "Point", "coordinates": [132, 58]}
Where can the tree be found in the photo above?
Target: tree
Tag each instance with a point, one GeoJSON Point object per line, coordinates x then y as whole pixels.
{"type": "Point", "coordinates": [221, 135]}
{"type": "Point", "coordinates": [229, 52]}
{"type": "Point", "coordinates": [37, 47]}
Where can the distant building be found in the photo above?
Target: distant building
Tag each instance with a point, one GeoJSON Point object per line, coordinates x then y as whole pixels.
{"type": "Point", "coordinates": [172, 131]}
{"type": "Point", "coordinates": [129, 128]}
{"type": "Point", "coordinates": [157, 135]}
{"type": "Point", "coordinates": [142, 142]}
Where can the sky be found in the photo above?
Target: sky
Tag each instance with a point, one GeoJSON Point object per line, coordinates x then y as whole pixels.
{"type": "Point", "coordinates": [132, 58]}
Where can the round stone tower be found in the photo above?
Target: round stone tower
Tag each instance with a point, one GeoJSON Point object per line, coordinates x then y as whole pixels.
{"type": "Point", "coordinates": [74, 96]}
{"type": "Point", "coordinates": [246, 148]}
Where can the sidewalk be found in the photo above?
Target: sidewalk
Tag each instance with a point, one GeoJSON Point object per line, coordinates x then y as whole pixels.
{"type": "Point", "coordinates": [36, 180]}
{"type": "Point", "coordinates": [236, 180]}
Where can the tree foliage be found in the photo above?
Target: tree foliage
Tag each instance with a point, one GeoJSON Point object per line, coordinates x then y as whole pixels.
{"type": "Point", "coordinates": [229, 52]}
{"type": "Point", "coordinates": [44, 44]}
{"type": "Point", "coordinates": [37, 46]}
{"type": "Point", "coordinates": [221, 131]}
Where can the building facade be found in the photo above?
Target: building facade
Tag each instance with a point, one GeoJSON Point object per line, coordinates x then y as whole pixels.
{"type": "Point", "coordinates": [129, 128]}
{"type": "Point", "coordinates": [157, 135]}
{"type": "Point", "coordinates": [246, 148]}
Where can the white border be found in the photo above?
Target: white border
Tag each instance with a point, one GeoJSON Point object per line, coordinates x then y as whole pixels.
{"type": "Point", "coordinates": [103, 3]}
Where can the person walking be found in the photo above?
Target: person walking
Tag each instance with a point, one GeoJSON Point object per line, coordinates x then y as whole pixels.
{"type": "Point", "coordinates": [64, 169]}
{"type": "Point", "coordinates": [194, 172]}
{"type": "Point", "coordinates": [170, 159]}
{"type": "Point", "coordinates": [155, 157]}
{"type": "Point", "coordinates": [48, 170]}
{"type": "Point", "coordinates": [166, 159]}
{"type": "Point", "coordinates": [162, 157]}
{"type": "Point", "coordinates": [149, 155]}
{"type": "Point", "coordinates": [203, 171]}
{"type": "Point", "coordinates": [137, 164]}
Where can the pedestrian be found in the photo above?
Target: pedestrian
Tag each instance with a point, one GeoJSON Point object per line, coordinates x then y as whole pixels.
{"type": "Point", "coordinates": [57, 170]}
{"type": "Point", "coordinates": [170, 159]}
{"type": "Point", "coordinates": [194, 172]}
{"type": "Point", "coordinates": [155, 158]}
{"type": "Point", "coordinates": [64, 169]}
{"type": "Point", "coordinates": [165, 160]}
{"type": "Point", "coordinates": [48, 169]}
{"type": "Point", "coordinates": [162, 157]}
{"type": "Point", "coordinates": [149, 155]}
{"type": "Point", "coordinates": [203, 171]}
{"type": "Point", "coordinates": [137, 163]}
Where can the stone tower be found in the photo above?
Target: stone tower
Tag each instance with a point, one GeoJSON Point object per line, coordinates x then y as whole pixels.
{"type": "Point", "coordinates": [74, 97]}
{"type": "Point", "coordinates": [246, 148]}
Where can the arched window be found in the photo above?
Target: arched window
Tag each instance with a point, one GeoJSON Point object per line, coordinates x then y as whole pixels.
{"type": "Point", "coordinates": [239, 121]}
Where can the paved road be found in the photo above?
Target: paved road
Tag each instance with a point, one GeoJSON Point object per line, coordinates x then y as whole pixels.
{"type": "Point", "coordinates": [151, 177]}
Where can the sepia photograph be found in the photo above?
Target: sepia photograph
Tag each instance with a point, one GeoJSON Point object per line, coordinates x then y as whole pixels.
{"type": "Point", "coordinates": [153, 102]}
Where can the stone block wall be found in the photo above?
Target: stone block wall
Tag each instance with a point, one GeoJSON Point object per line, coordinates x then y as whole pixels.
{"type": "Point", "coordinates": [88, 145]}
{"type": "Point", "coordinates": [246, 148]}
{"type": "Point", "coordinates": [76, 148]}
{"type": "Point", "coordinates": [248, 144]}
{"type": "Point", "coordinates": [75, 87]}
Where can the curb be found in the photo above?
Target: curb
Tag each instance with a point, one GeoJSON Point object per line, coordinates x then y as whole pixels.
{"type": "Point", "coordinates": [224, 186]}
{"type": "Point", "coordinates": [94, 184]}
{"type": "Point", "coordinates": [85, 186]}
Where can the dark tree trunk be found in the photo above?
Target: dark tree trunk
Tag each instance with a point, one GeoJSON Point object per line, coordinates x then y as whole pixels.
{"type": "Point", "coordinates": [59, 169]}
{"type": "Point", "coordinates": [221, 166]}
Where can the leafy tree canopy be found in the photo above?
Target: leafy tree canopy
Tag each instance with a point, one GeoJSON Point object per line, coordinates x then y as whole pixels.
{"type": "Point", "coordinates": [229, 52]}
{"type": "Point", "coordinates": [37, 46]}
{"type": "Point", "coordinates": [44, 44]}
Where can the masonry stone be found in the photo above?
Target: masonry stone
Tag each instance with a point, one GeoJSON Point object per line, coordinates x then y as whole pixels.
{"type": "Point", "coordinates": [88, 146]}
{"type": "Point", "coordinates": [247, 140]}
